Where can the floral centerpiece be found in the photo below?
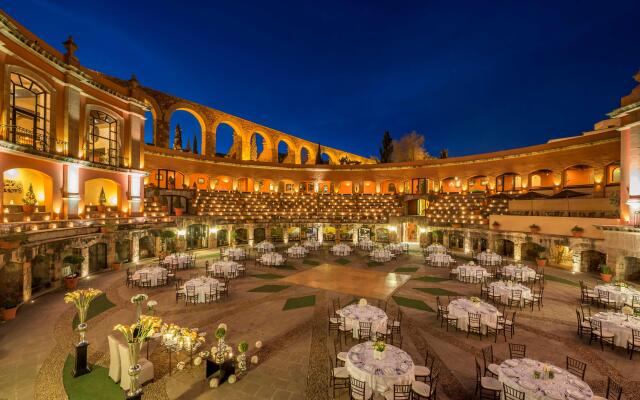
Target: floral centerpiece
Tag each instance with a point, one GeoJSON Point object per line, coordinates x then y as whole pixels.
{"type": "Point", "coordinates": [243, 346]}
{"type": "Point", "coordinates": [628, 311]}
{"type": "Point", "coordinates": [135, 335]}
{"type": "Point", "coordinates": [362, 302]}
{"type": "Point", "coordinates": [621, 284]}
{"type": "Point", "coordinates": [222, 349]}
{"type": "Point", "coordinates": [82, 298]}
{"type": "Point", "coordinates": [138, 299]}
{"type": "Point", "coordinates": [378, 349]}
{"type": "Point", "coordinates": [151, 306]}
{"type": "Point", "coordinates": [475, 300]}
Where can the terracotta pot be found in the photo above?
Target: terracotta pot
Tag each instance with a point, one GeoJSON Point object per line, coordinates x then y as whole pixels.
{"type": "Point", "coordinates": [9, 313]}
{"type": "Point", "coordinates": [606, 277]}
{"type": "Point", "coordinates": [116, 266]}
{"type": "Point", "coordinates": [28, 210]}
{"type": "Point", "coordinates": [71, 283]}
{"type": "Point", "coordinates": [541, 262]}
{"type": "Point", "coordinates": [9, 245]}
{"type": "Point", "coordinates": [577, 233]}
{"type": "Point", "coordinates": [178, 211]}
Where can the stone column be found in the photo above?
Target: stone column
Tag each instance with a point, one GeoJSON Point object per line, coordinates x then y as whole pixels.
{"type": "Point", "coordinates": [576, 259]}
{"type": "Point", "coordinates": [135, 247]}
{"type": "Point", "coordinates": [355, 234]}
{"type": "Point", "coordinates": [620, 269]}
{"type": "Point", "coordinates": [111, 250]}
{"type": "Point", "coordinates": [250, 231]}
{"type": "Point", "coordinates": [84, 268]}
{"type": "Point", "coordinates": [517, 250]}
{"type": "Point", "coordinates": [71, 190]}
{"type": "Point", "coordinates": [445, 238]}
{"type": "Point", "coordinates": [285, 235]}
{"type": "Point", "coordinates": [320, 235]}
{"type": "Point", "coordinates": [26, 281]}
{"type": "Point", "coordinates": [467, 242]}
{"type": "Point", "coordinates": [630, 168]}
{"type": "Point", "coordinates": [378, 187]}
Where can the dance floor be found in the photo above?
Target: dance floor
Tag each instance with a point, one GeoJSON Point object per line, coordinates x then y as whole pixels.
{"type": "Point", "coordinates": [355, 281]}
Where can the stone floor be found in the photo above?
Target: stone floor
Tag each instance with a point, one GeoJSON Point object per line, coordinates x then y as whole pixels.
{"type": "Point", "coordinates": [293, 359]}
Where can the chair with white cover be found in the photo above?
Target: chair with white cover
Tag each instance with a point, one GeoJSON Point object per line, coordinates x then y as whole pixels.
{"type": "Point", "coordinates": [359, 390]}
{"type": "Point", "coordinates": [488, 386]}
{"type": "Point", "coordinates": [146, 368]}
{"type": "Point", "coordinates": [421, 390]}
{"type": "Point", "coordinates": [114, 358]}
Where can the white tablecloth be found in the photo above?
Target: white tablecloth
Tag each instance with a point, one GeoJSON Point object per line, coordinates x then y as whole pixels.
{"type": "Point", "coordinates": [504, 289]}
{"type": "Point", "coordinates": [460, 308]}
{"type": "Point", "coordinates": [201, 285]}
{"type": "Point", "coordinates": [397, 247]}
{"type": "Point", "coordinates": [228, 268]}
{"type": "Point", "coordinates": [272, 259]}
{"type": "Point", "coordinates": [265, 246]}
{"type": "Point", "coordinates": [436, 248]}
{"type": "Point", "coordinates": [470, 270]}
{"type": "Point", "coordinates": [153, 273]}
{"type": "Point", "coordinates": [440, 258]}
{"type": "Point", "coordinates": [396, 367]}
{"type": "Point", "coordinates": [341, 250]}
{"type": "Point", "coordinates": [235, 253]}
{"type": "Point", "coordinates": [354, 314]}
{"type": "Point", "coordinates": [526, 272]}
{"type": "Point", "coordinates": [182, 260]}
{"type": "Point", "coordinates": [489, 257]}
{"type": "Point", "coordinates": [381, 255]}
{"type": "Point", "coordinates": [618, 324]}
{"type": "Point", "coordinates": [312, 244]}
{"type": "Point", "coordinates": [297, 251]}
{"type": "Point", "coordinates": [366, 245]}
{"type": "Point", "coordinates": [519, 374]}
{"type": "Point", "coordinates": [620, 295]}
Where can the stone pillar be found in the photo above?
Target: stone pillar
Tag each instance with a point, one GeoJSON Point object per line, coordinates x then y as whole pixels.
{"type": "Point", "coordinates": [630, 172]}
{"type": "Point", "coordinates": [620, 269]}
{"type": "Point", "coordinates": [467, 242]}
{"type": "Point", "coordinates": [1, 204]}
{"type": "Point", "coordinates": [491, 245]}
{"type": "Point", "coordinates": [320, 235]}
{"type": "Point", "coordinates": [235, 184]}
{"type": "Point", "coordinates": [26, 281]}
{"type": "Point", "coordinates": [285, 235]}
{"type": "Point", "coordinates": [378, 187]}
{"type": "Point", "coordinates": [576, 259]}
{"type": "Point", "coordinates": [71, 126]}
{"type": "Point", "coordinates": [135, 247]}
{"type": "Point", "coordinates": [111, 250]}
{"type": "Point", "coordinates": [71, 191]}
{"type": "Point", "coordinates": [517, 250]}
{"type": "Point", "coordinates": [84, 268]}
{"type": "Point", "coordinates": [250, 231]}
{"type": "Point", "coordinates": [355, 234]}
{"type": "Point", "coordinates": [445, 238]}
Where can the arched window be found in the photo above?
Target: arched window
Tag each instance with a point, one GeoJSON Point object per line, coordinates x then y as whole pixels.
{"type": "Point", "coordinates": [103, 145]}
{"type": "Point", "coordinates": [29, 113]}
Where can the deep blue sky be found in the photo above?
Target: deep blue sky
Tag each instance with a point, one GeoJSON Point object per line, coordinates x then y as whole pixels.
{"type": "Point", "coordinates": [471, 76]}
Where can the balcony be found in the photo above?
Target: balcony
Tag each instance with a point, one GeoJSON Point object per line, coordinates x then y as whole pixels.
{"type": "Point", "coordinates": [33, 141]}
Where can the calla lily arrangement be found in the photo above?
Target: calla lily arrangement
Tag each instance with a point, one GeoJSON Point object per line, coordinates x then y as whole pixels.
{"type": "Point", "coordinates": [140, 331]}
{"type": "Point", "coordinates": [82, 298]}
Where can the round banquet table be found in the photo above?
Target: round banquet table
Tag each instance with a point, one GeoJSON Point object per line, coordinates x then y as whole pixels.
{"type": "Point", "coordinates": [235, 253]}
{"type": "Point", "coordinates": [181, 260]}
{"type": "Point", "coordinates": [153, 273]}
{"type": "Point", "coordinates": [272, 259]}
{"type": "Point", "coordinates": [619, 324]}
{"type": "Point", "coordinates": [470, 270]}
{"type": "Point", "coordinates": [396, 247]}
{"type": "Point", "coordinates": [341, 250]}
{"type": "Point", "coordinates": [526, 272]}
{"type": "Point", "coordinates": [381, 255]}
{"type": "Point", "coordinates": [440, 258]}
{"type": "Point", "coordinates": [504, 289]}
{"type": "Point", "coordinates": [436, 248]}
{"type": "Point", "coordinates": [228, 268]}
{"type": "Point", "coordinates": [201, 285]}
{"type": "Point", "coordinates": [366, 245]}
{"type": "Point", "coordinates": [460, 308]}
{"type": "Point", "coordinates": [265, 246]}
{"type": "Point", "coordinates": [619, 294]}
{"type": "Point", "coordinates": [297, 251]}
{"type": "Point", "coordinates": [519, 374]}
{"type": "Point", "coordinates": [380, 375]}
{"type": "Point", "coordinates": [489, 257]}
{"type": "Point", "coordinates": [354, 314]}
{"type": "Point", "coordinates": [312, 244]}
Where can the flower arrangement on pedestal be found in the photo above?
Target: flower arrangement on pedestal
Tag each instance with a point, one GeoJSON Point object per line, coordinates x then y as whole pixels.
{"type": "Point", "coordinates": [242, 356]}
{"type": "Point", "coordinates": [135, 335]}
{"type": "Point", "coordinates": [362, 302]}
{"type": "Point", "coordinates": [222, 349]}
{"type": "Point", "coordinates": [378, 349]}
{"type": "Point", "coordinates": [82, 298]}
{"type": "Point", "coordinates": [138, 299]}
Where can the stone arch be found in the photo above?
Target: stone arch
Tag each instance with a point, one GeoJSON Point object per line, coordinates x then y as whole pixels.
{"type": "Point", "coordinates": [290, 156]}
{"type": "Point", "coordinates": [508, 182]}
{"type": "Point", "coordinates": [163, 129]}
{"type": "Point", "coordinates": [266, 154]}
{"type": "Point", "coordinates": [236, 147]}
{"type": "Point", "coordinates": [451, 184]}
{"type": "Point", "coordinates": [93, 189]}
{"type": "Point", "coordinates": [578, 175]}
{"type": "Point", "coordinates": [477, 183]}
{"type": "Point", "coordinates": [540, 179]}
{"type": "Point", "coordinates": [17, 182]}
{"type": "Point", "coordinates": [310, 155]}
{"type": "Point", "coordinates": [156, 119]}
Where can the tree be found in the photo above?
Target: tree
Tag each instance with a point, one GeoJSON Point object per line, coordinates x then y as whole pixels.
{"type": "Point", "coordinates": [319, 155]}
{"type": "Point", "coordinates": [444, 153]}
{"type": "Point", "coordinates": [195, 144]}
{"type": "Point", "coordinates": [409, 147]}
{"type": "Point", "coordinates": [102, 199]}
{"type": "Point", "coordinates": [30, 197]}
{"type": "Point", "coordinates": [387, 148]}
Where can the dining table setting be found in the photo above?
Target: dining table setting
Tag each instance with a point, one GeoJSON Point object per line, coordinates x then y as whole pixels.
{"type": "Point", "coordinates": [380, 373]}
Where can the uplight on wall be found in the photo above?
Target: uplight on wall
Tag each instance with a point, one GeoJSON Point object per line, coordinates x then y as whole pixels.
{"type": "Point", "coordinates": [213, 230]}
{"type": "Point", "coordinates": [182, 232]}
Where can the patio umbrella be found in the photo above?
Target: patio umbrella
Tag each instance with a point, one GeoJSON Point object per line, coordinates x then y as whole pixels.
{"type": "Point", "coordinates": [531, 196]}
{"type": "Point", "coordinates": [567, 194]}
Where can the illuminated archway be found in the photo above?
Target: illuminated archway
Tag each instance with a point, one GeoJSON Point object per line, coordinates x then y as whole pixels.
{"type": "Point", "coordinates": [578, 175]}
{"type": "Point", "coordinates": [93, 189]}
{"type": "Point", "coordinates": [286, 152]}
{"type": "Point", "coordinates": [228, 140]}
{"type": "Point", "coordinates": [540, 179]}
{"type": "Point", "coordinates": [192, 126]}
{"type": "Point", "coordinates": [16, 185]}
{"type": "Point", "coordinates": [261, 147]}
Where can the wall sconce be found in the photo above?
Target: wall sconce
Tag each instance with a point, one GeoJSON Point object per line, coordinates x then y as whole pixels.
{"type": "Point", "coordinates": [182, 232]}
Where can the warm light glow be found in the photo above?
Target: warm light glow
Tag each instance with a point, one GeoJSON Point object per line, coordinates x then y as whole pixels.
{"type": "Point", "coordinates": [213, 230]}
{"type": "Point", "coordinates": [113, 200]}
{"type": "Point", "coordinates": [182, 232]}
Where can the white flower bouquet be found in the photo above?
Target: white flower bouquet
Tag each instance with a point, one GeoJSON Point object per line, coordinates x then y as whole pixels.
{"type": "Point", "coordinates": [362, 302]}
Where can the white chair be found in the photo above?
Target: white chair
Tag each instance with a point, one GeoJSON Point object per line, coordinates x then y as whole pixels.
{"type": "Point", "coordinates": [146, 368]}
{"type": "Point", "coordinates": [114, 358]}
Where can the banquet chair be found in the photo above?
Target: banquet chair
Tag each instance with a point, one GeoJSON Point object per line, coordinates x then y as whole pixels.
{"type": "Point", "coordinates": [497, 327]}
{"type": "Point", "coordinates": [341, 356]}
{"type": "Point", "coordinates": [175, 263]}
{"type": "Point", "coordinates": [614, 391]}
{"type": "Point", "coordinates": [635, 303]}
{"type": "Point", "coordinates": [223, 288]}
{"type": "Point", "coordinates": [146, 368]}
{"type": "Point", "coordinates": [605, 300]}
{"type": "Point", "coordinates": [475, 324]}
{"type": "Point", "coordinates": [576, 367]}
{"type": "Point", "coordinates": [338, 376]}
{"type": "Point", "coordinates": [539, 277]}
{"type": "Point", "coordinates": [192, 296]}
{"type": "Point", "coordinates": [633, 344]}
{"type": "Point", "coordinates": [242, 270]}
{"type": "Point", "coordinates": [512, 393]}
{"type": "Point", "coordinates": [484, 290]}
{"type": "Point", "coordinates": [493, 297]}
{"type": "Point", "coordinates": [358, 390]}
{"type": "Point", "coordinates": [162, 280]}
{"type": "Point", "coordinates": [130, 279]}
{"type": "Point", "coordinates": [334, 322]}
{"type": "Point", "coordinates": [171, 274]}
{"type": "Point", "coordinates": [440, 308]}
{"type": "Point", "coordinates": [536, 298]}
{"type": "Point", "coordinates": [515, 298]}
{"type": "Point", "coordinates": [600, 335]}
{"type": "Point", "coordinates": [449, 320]}
{"type": "Point", "coordinates": [582, 328]}
{"type": "Point", "coordinates": [423, 372]}
{"type": "Point", "coordinates": [343, 330]}
{"type": "Point", "coordinates": [587, 295]}
{"type": "Point", "coordinates": [452, 273]}
{"type": "Point", "coordinates": [212, 295]}
{"type": "Point", "coordinates": [144, 280]}
{"type": "Point", "coordinates": [489, 366]}
{"type": "Point", "coordinates": [422, 390]}
{"type": "Point", "coordinates": [114, 358]}
{"type": "Point", "coordinates": [517, 350]}
{"type": "Point", "coordinates": [364, 331]}
{"type": "Point", "coordinates": [488, 386]}
{"type": "Point", "coordinates": [479, 278]}
{"type": "Point", "coordinates": [517, 276]}
{"type": "Point", "coordinates": [463, 275]}
{"type": "Point", "coordinates": [398, 319]}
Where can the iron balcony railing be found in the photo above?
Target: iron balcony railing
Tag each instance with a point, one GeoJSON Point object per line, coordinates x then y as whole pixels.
{"type": "Point", "coordinates": [29, 138]}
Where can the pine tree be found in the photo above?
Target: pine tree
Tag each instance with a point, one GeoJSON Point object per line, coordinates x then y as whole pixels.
{"type": "Point", "coordinates": [103, 197]}
{"type": "Point", "coordinates": [444, 153]}
{"type": "Point", "coordinates": [195, 144]}
{"type": "Point", "coordinates": [319, 155]}
{"type": "Point", "coordinates": [387, 148]}
{"type": "Point", "coordinates": [30, 197]}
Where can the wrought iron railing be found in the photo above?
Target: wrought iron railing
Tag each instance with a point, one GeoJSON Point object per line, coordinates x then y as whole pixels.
{"type": "Point", "coordinates": [37, 141]}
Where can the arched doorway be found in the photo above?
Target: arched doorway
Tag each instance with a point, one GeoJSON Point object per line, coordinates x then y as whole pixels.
{"type": "Point", "coordinates": [277, 235]}
{"type": "Point", "coordinates": [123, 251]}
{"type": "Point", "coordinates": [504, 247]}
{"type": "Point", "coordinates": [147, 247]}
{"type": "Point", "coordinates": [101, 193]}
{"type": "Point", "coordinates": [591, 261]}
{"type": "Point", "coordinates": [97, 257]}
{"type": "Point", "coordinates": [197, 236]}
{"type": "Point", "coordinates": [222, 238]}
{"type": "Point", "coordinates": [260, 148]}
{"type": "Point", "coordinates": [258, 235]}
{"type": "Point", "coordinates": [241, 236]}
{"type": "Point", "coordinates": [19, 181]}
{"type": "Point", "coordinates": [479, 244]}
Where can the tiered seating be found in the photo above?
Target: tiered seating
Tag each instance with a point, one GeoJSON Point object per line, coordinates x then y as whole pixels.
{"type": "Point", "coordinates": [154, 209]}
{"type": "Point", "coordinates": [264, 207]}
{"type": "Point", "coordinates": [470, 209]}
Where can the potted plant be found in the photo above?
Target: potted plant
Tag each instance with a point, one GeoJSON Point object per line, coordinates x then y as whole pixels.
{"type": "Point", "coordinates": [29, 201]}
{"type": "Point", "coordinates": [102, 200]}
{"type": "Point", "coordinates": [605, 273]}
{"type": "Point", "coordinates": [156, 195]}
{"type": "Point", "coordinates": [12, 241]}
{"type": "Point", "coordinates": [72, 262]}
{"type": "Point", "coordinates": [116, 265]}
{"type": "Point", "coordinates": [541, 259]}
{"type": "Point", "coordinates": [534, 228]}
{"type": "Point", "coordinates": [9, 308]}
{"type": "Point", "coordinates": [165, 236]}
{"type": "Point", "coordinates": [495, 225]}
{"type": "Point", "coordinates": [577, 231]}
{"type": "Point", "coordinates": [178, 210]}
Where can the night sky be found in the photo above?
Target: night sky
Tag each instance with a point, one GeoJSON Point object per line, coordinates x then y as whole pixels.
{"type": "Point", "coordinates": [471, 76]}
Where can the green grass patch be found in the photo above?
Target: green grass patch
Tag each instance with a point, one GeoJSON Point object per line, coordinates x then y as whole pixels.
{"type": "Point", "coordinates": [436, 291]}
{"type": "Point", "coordinates": [560, 280]}
{"type": "Point", "coordinates": [374, 263]}
{"type": "Point", "coordinates": [412, 303]}
{"type": "Point", "coordinates": [309, 261]}
{"type": "Point", "coordinates": [299, 302]}
{"type": "Point", "coordinates": [267, 276]}
{"type": "Point", "coordinates": [428, 278]}
{"type": "Point", "coordinates": [287, 267]}
{"type": "Point", "coordinates": [342, 261]}
{"type": "Point", "coordinates": [406, 269]}
{"type": "Point", "coordinates": [98, 305]}
{"type": "Point", "coordinates": [94, 385]}
{"type": "Point", "coordinates": [269, 288]}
